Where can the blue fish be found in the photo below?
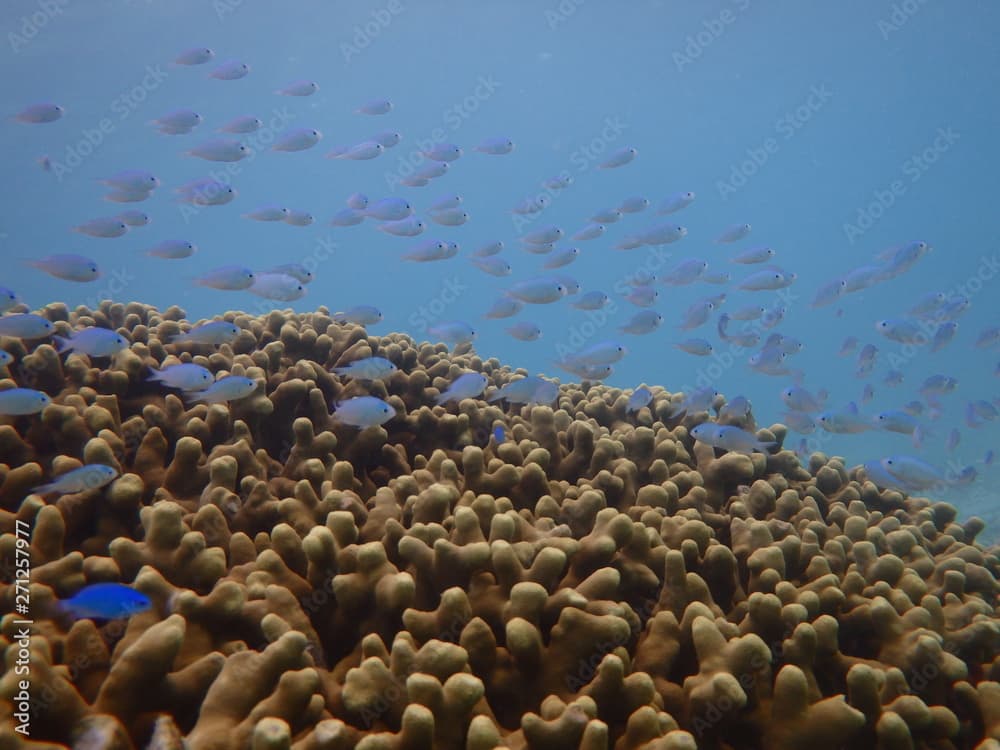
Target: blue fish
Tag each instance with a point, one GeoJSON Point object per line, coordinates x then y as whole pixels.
{"type": "Point", "coordinates": [499, 434]}
{"type": "Point", "coordinates": [106, 601]}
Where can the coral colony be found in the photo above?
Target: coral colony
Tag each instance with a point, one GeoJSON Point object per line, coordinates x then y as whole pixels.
{"type": "Point", "coordinates": [337, 540]}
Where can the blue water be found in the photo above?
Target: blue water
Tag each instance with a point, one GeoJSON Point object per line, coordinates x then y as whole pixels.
{"type": "Point", "coordinates": [836, 130]}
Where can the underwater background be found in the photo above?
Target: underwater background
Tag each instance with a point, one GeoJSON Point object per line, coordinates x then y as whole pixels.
{"type": "Point", "coordinates": [836, 130]}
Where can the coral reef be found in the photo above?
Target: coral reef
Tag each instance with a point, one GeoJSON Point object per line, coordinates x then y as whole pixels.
{"type": "Point", "coordinates": [596, 580]}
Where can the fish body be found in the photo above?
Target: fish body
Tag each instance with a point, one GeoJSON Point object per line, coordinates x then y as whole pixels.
{"type": "Point", "coordinates": [206, 192]}
{"type": "Point", "coordinates": [735, 233]}
{"type": "Point", "coordinates": [454, 332]}
{"type": "Point", "coordinates": [431, 251]}
{"type": "Point", "coordinates": [185, 377]}
{"type": "Point", "coordinates": [370, 368]}
{"type": "Point", "coordinates": [68, 267]}
{"type": "Point", "coordinates": [89, 477]}
{"type": "Point", "coordinates": [25, 326]}
{"type": "Point", "coordinates": [94, 342]}
{"type": "Point", "coordinates": [467, 385]}
{"type": "Point", "coordinates": [194, 56]}
{"type": "Point", "coordinates": [844, 422]}
{"type": "Point", "coordinates": [505, 307]}
{"type": "Point", "coordinates": [228, 388]}
{"type": "Point", "coordinates": [601, 353]}
{"type": "Point", "coordinates": [360, 315]}
{"type": "Point", "coordinates": [297, 139]}
{"type": "Point", "coordinates": [16, 402]}
{"type": "Point", "coordinates": [674, 203]}
{"type": "Point", "coordinates": [173, 249]}
{"type": "Point", "coordinates": [537, 291]}
{"type": "Point", "coordinates": [231, 278]}
{"type": "Point", "coordinates": [363, 412]}
{"type": "Point", "coordinates": [490, 248]}
{"type": "Point", "coordinates": [730, 438]}
{"type": "Point", "coordinates": [496, 146]}
{"type": "Point", "coordinates": [642, 322]}
{"type": "Point", "coordinates": [524, 331]}
{"type": "Point", "coordinates": [106, 601]}
{"type": "Point", "coordinates": [493, 265]}
{"type": "Point", "coordinates": [619, 158]}
{"type": "Point", "coordinates": [213, 333]}
{"type": "Point", "coordinates": [639, 398]}
{"type": "Point", "coordinates": [593, 300]}
{"type": "Point", "coordinates": [230, 70]}
{"type": "Point", "coordinates": [243, 124]}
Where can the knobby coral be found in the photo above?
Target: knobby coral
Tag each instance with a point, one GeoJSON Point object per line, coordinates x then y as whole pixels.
{"type": "Point", "coordinates": [595, 580]}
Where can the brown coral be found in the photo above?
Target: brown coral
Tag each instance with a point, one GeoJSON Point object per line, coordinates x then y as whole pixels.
{"type": "Point", "coordinates": [597, 580]}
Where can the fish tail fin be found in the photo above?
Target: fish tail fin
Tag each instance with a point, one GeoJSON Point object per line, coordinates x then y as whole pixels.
{"type": "Point", "coordinates": [43, 489]}
{"type": "Point", "coordinates": [62, 344]}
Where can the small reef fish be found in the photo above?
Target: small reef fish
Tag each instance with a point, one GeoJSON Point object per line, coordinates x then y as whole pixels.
{"type": "Point", "coordinates": [213, 333]}
{"type": "Point", "coordinates": [296, 270]}
{"type": "Point", "coordinates": [375, 107]}
{"type": "Point", "coordinates": [231, 278]}
{"type": "Point", "coordinates": [16, 402]}
{"type": "Point", "coordinates": [38, 114]}
{"type": "Point", "coordinates": [173, 249]}
{"type": "Point", "coordinates": [730, 438]}
{"type": "Point", "coordinates": [524, 331]}
{"type": "Point", "coordinates": [537, 291]}
{"type": "Point", "coordinates": [228, 388]}
{"type": "Point", "coordinates": [297, 139]}
{"type": "Point", "coordinates": [601, 353]}
{"type": "Point", "coordinates": [734, 233]}
{"type": "Point", "coordinates": [642, 323]}
{"type": "Point", "coordinates": [106, 601]}
{"type": "Point", "coordinates": [674, 203]}
{"type": "Point", "coordinates": [94, 342]}
{"type": "Point", "coordinates": [230, 70]}
{"type": "Point", "coordinates": [25, 326]}
{"type": "Point", "coordinates": [277, 286]}
{"type": "Point", "coordinates": [8, 299]}
{"type": "Point", "coordinates": [363, 412]}
{"type": "Point", "coordinates": [467, 385]}
{"type": "Point", "coordinates": [370, 368]}
{"type": "Point", "coordinates": [639, 398]}
{"type": "Point", "coordinates": [530, 389]}
{"type": "Point", "coordinates": [194, 56]}
{"type": "Point", "coordinates": [497, 146]}
{"type": "Point", "coordinates": [185, 377]}
{"type": "Point", "coordinates": [360, 315]}
{"type": "Point", "coordinates": [68, 267]}
{"type": "Point", "coordinates": [593, 300]}
{"type": "Point", "coordinates": [505, 307]}
{"type": "Point", "coordinates": [89, 477]}
{"type": "Point", "coordinates": [453, 332]}
{"type": "Point", "coordinates": [298, 88]}
{"type": "Point", "coordinates": [619, 158]}
{"type": "Point", "coordinates": [242, 125]}
{"type": "Point", "coordinates": [847, 421]}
